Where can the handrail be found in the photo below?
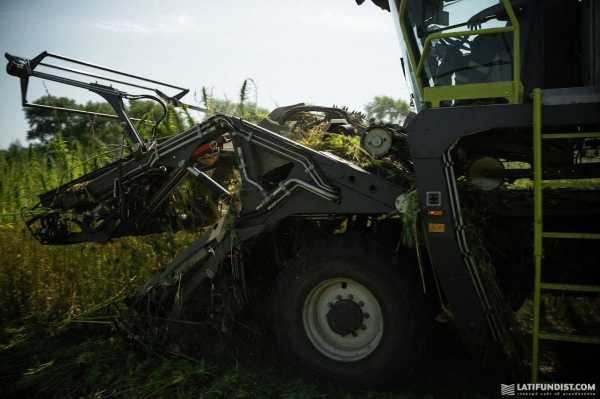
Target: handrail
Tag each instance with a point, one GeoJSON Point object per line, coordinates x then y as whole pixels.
{"type": "Point", "coordinates": [440, 35]}
{"type": "Point", "coordinates": [409, 49]}
{"type": "Point", "coordinates": [539, 235]}
{"type": "Point", "coordinates": [514, 22]}
{"type": "Point", "coordinates": [538, 228]}
{"type": "Point", "coordinates": [514, 27]}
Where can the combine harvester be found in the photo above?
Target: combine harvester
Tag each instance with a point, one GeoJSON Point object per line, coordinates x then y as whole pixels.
{"type": "Point", "coordinates": [503, 92]}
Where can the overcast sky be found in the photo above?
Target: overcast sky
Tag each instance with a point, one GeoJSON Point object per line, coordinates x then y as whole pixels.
{"type": "Point", "coordinates": [315, 51]}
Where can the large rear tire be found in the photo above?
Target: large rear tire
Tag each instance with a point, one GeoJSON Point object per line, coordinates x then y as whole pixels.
{"type": "Point", "coordinates": [346, 310]}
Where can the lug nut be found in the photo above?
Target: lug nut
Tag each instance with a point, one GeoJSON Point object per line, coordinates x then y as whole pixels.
{"type": "Point", "coordinates": [361, 303]}
{"type": "Point", "coordinates": [354, 334]}
{"type": "Point", "coordinates": [363, 327]}
{"type": "Point", "coordinates": [350, 296]}
{"type": "Point", "coordinates": [366, 315]}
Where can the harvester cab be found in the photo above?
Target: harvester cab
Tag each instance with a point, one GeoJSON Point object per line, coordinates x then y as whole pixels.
{"type": "Point", "coordinates": [449, 45]}
{"type": "Point", "coordinates": [470, 52]}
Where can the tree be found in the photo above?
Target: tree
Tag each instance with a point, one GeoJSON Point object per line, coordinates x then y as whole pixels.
{"type": "Point", "coordinates": [45, 124]}
{"type": "Point", "coordinates": [387, 110]}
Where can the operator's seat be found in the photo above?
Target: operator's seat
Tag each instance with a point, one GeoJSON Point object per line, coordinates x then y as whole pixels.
{"type": "Point", "coordinates": [492, 54]}
{"type": "Point", "coordinates": [489, 60]}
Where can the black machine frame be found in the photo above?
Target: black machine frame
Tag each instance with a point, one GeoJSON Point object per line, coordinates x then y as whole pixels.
{"type": "Point", "coordinates": [25, 69]}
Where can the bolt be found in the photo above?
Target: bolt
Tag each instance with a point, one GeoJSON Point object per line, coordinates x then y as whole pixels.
{"type": "Point", "coordinates": [361, 303]}
{"type": "Point", "coordinates": [366, 315]}
{"type": "Point", "coordinates": [363, 327]}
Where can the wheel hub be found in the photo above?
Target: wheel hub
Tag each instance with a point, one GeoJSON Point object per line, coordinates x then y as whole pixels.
{"type": "Point", "coordinates": [345, 317]}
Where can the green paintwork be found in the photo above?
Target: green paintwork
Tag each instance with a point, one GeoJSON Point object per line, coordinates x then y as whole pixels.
{"type": "Point", "coordinates": [575, 236]}
{"type": "Point", "coordinates": [581, 339]}
{"type": "Point", "coordinates": [539, 235]}
{"type": "Point", "coordinates": [578, 135]}
{"type": "Point", "coordinates": [509, 90]}
{"type": "Point", "coordinates": [512, 91]}
{"type": "Point", "coordinates": [409, 49]}
{"type": "Point", "coordinates": [537, 228]}
{"type": "Point", "coordinates": [570, 287]}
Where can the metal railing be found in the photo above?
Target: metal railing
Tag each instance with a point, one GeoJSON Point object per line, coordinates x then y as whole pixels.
{"type": "Point", "coordinates": [512, 90]}
{"type": "Point", "coordinates": [538, 240]}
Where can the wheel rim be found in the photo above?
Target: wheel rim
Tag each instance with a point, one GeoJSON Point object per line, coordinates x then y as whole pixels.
{"type": "Point", "coordinates": [343, 319]}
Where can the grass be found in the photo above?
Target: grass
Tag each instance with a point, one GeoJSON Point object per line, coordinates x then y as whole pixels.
{"type": "Point", "coordinates": [92, 362]}
{"type": "Point", "coordinates": [56, 282]}
{"type": "Point", "coordinates": [46, 352]}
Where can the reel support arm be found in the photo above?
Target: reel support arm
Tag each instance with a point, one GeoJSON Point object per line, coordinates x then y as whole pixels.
{"type": "Point", "coordinates": [25, 69]}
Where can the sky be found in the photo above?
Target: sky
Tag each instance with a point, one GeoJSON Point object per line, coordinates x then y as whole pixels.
{"type": "Point", "coordinates": [313, 51]}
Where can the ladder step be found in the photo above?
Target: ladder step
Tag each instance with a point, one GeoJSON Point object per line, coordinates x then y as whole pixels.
{"type": "Point", "coordinates": [570, 287]}
{"type": "Point", "coordinates": [583, 183]}
{"type": "Point", "coordinates": [575, 236]}
{"type": "Point", "coordinates": [576, 135]}
{"type": "Point", "coordinates": [581, 339]}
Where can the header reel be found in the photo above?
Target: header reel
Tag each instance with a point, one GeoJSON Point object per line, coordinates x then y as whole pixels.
{"type": "Point", "coordinates": [25, 69]}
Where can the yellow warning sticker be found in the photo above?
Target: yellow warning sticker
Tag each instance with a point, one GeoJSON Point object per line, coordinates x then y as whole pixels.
{"type": "Point", "coordinates": [436, 227]}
